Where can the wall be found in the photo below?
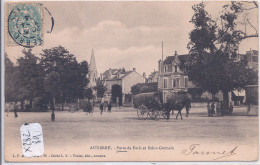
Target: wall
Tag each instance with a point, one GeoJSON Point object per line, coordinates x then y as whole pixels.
{"type": "Point", "coordinates": [130, 80]}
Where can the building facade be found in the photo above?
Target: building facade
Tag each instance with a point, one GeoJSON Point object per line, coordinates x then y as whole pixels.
{"type": "Point", "coordinates": [252, 58]}
{"type": "Point", "coordinates": [124, 78]}
{"type": "Point", "coordinates": [153, 77]}
{"type": "Point", "coordinates": [171, 78]}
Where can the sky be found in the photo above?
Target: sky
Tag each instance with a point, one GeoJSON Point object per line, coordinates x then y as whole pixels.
{"type": "Point", "coordinates": [123, 34]}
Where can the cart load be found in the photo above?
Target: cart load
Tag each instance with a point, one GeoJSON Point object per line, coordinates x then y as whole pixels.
{"type": "Point", "coordinates": [150, 100]}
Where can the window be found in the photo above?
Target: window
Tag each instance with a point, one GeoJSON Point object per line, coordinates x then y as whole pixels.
{"type": "Point", "coordinates": [164, 97]}
{"type": "Point", "coordinates": [177, 82]}
{"type": "Point", "coordinates": [186, 82]}
{"type": "Point", "coordinates": [176, 69]}
{"type": "Point", "coordinates": [165, 69]}
{"type": "Point", "coordinates": [169, 68]}
{"type": "Point", "coordinates": [174, 82]}
{"type": "Point", "coordinates": [165, 83]}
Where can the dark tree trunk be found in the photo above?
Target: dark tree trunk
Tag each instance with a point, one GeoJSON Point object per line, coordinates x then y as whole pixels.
{"type": "Point", "coordinates": [226, 101]}
{"type": "Point", "coordinates": [51, 104]}
{"type": "Point", "coordinates": [225, 96]}
{"type": "Point", "coordinates": [62, 104]}
{"type": "Point", "coordinates": [31, 103]}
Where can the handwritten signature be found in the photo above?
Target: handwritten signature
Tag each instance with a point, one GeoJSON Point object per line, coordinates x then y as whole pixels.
{"type": "Point", "coordinates": [193, 150]}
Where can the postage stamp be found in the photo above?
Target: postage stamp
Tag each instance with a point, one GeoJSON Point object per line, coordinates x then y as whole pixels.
{"type": "Point", "coordinates": [25, 25]}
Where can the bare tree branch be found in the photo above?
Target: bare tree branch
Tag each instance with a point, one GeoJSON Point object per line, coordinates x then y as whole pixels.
{"type": "Point", "coordinates": [249, 36]}
{"type": "Point", "coordinates": [248, 21]}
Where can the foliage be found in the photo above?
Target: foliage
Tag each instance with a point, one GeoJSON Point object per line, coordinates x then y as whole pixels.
{"type": "Point", "coordinates": [9, 80]}
{"type": "Point", "coordinates": [52, 84]}
{"type": "Point", "coordinates": [117, 93]}
{"type": "Point", "coordinates": [40, 104]}
{"type": "Point", "coordinates": [100, 88]}
{"type": "Point", "coordinates": [30, 76]}
{"type": "Point", "coordinates": [88, 93]}
{"type": "Point", "coordinates": [70, 75]}
{"type": "Point", "coordinates": [213, 65]}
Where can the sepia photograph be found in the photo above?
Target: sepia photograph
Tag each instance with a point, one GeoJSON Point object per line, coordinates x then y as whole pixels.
{"type": "Point", "coordinates": [130, 81]}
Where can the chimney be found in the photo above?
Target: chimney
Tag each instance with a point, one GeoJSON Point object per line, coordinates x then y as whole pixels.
{"type": "Point", "coordinates": [175, 53]}
{"type": "Point", "coordinates": [101, 76]}
{"type": "Point", "coordinates": [134, 69]}
{"type": "Point", "coordinates": [144, 75]}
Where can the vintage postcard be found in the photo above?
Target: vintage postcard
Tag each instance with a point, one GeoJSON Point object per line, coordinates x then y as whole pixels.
{"type": "Point", "coordinates": [101, 81]}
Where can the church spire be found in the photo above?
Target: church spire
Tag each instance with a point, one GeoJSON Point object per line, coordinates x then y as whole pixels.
{"type": "Point", "coordinates": [92, 65]}
{"type": "Point", "coordinates": [92, 72]}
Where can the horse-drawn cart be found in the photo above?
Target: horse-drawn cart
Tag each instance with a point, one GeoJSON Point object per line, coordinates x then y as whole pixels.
{"type": "Point", "coordinates": [152, 104]}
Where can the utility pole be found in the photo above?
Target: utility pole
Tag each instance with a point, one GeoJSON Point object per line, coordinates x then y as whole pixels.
{"type": "Point", "coordinates": [162, 75]}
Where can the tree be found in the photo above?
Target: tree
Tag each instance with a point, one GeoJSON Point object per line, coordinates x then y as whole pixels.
{"type": "Point", "coordinates": [88, 93]}
{"type": "Point", "coordinates": [72, 74]}
{"type": "Point", "coordinates": [30, 76]}
{"type": "Point", "coordinates": [117, 93]}
{"type": "Point", "coordinates": [214, 65]}
{"type": "Point", "coordinates": [100, 88]}
{"type": "Point", "coordinates": [69, 76]}
{"type": "Point", "coordinates": [9, 80]}
{"type": "Point", "coordinates": [52, 86]}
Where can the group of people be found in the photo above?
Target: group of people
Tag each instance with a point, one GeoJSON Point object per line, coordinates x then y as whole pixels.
{"type": "Point", "coordinates": [88, 108]}
{"type": "Point", "coordinates": [15, 109]}
{"type": "Point", "coordinates": [105, 105]}
{"type": "Point", "coordinates": [211, 109]}
{"type": "Point", "coordinates": [218, 108]}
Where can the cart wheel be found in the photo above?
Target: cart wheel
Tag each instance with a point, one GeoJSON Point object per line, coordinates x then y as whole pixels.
{"type": "Point", "coordinates": [142, 112]}
{"type": "Point", "coordinates": [154, 114]}
{"type": "Point", "coordinates": [164, 114]}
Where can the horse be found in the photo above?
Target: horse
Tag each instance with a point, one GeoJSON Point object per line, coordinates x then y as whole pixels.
{"type": "Point", "coordinates": [176, 106]}
{"type": "Point", "coordinates": [176, 102]}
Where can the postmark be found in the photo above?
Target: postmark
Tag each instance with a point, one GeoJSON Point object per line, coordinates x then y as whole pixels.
{"type": "Point", "coordinates": [25, 24]}
{"type": "Point", "coordinates": [32, 139]}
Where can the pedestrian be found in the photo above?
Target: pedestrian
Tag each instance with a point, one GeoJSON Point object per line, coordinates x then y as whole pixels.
{"type": "Point", "coordinates": [105, 106]}
{"type": "Point", "coordinates": [15, 110]}
{"type": "Point", "coordinates": [218, 108]}
{"type": "Point", "coordinates": [7, 108]}
{"type": "Point", "coordinates": [109, 107]}
{"type": "Point", "coordinates": [222, 108]}
{"type": "Point", "coordinates": [208, 106]}
{"type": "Point", "coordinates": [231, 107]}
{"type": "Point", "coordinates": [89, 108]}
{"type": "Point", "coordinates": [212, 109]}
{"type": "Point", "coordinates": [248, 108]}
{"type": "Point", "coordinates": [101, 108]}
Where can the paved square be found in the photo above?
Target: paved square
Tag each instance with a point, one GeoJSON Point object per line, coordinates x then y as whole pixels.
{"type": "Point", "coordinates": [77, 132]}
